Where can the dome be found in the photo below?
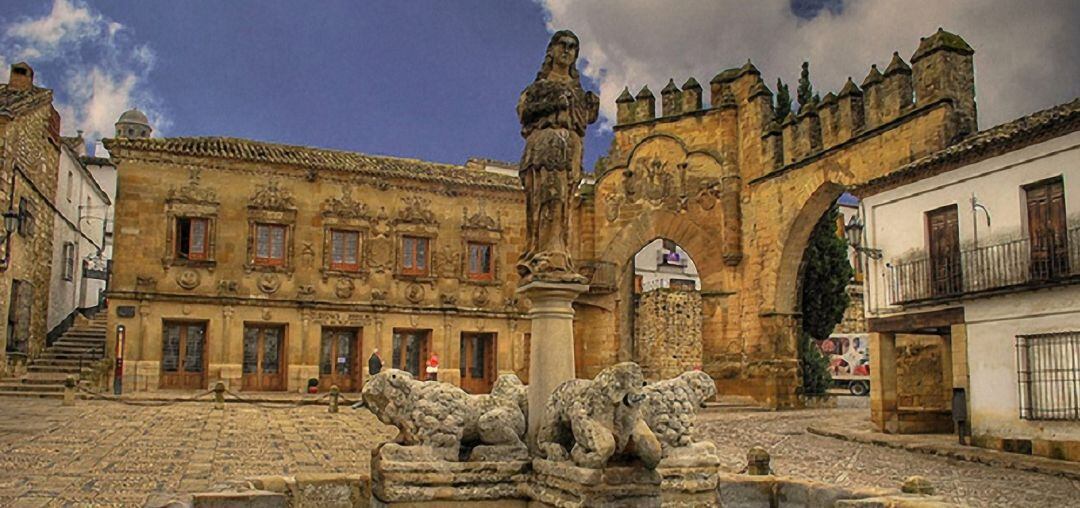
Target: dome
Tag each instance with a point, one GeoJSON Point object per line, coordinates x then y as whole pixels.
{"type": "Point", "coordinates": [134, 116]}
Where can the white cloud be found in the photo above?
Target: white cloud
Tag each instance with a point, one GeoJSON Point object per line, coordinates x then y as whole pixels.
{"type": "Point", "coordinates": [66, 23]}
{"type": "Point", "coordinates": [1024, 50]}
{"type": "Point", "coordinates": [93, 63]}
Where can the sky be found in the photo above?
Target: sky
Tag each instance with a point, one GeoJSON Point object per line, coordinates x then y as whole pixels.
{"type": "Point", "coordinates": [440, 80]}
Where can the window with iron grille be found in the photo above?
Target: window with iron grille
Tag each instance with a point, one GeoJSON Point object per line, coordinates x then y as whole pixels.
{"type": "Point", "coordinates": [1049, 376]}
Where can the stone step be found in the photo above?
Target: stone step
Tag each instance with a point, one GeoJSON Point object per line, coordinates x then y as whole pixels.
{"type": "Point", "coordinates": [38, 394]}
{"type": "Point", "coordinates": [87, 356]}
{"type": "Point", "coordinates": [78, 342]}
{"type": "Point", "coordinates": [66, 369]}
{"type": "Point", "coordinates": [75, 347]}
{"type": "Point", "coordinates": [85, 334]}
{"type": "Point", "coordinates": [68, 362]}
{"type": "Point", "coordinates": [44, 378]}
{"type": "Point", "coordinates": [26, 387]}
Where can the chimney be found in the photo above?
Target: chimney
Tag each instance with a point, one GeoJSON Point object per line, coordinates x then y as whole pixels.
{"type": "Point", "coordinates": [22, 77]}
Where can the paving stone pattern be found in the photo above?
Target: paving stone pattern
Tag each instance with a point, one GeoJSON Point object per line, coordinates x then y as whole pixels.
{"type": "Point", "coordinates": [104, 453]}
{"type": "Point", "coordinates": [800, 454]}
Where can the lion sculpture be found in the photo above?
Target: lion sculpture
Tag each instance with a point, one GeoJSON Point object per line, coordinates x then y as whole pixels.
{"type": "Point", "coordinates": [439, 421]}
{"type": "Point", "coordinates": [598, 419]}
{"type": "Point", "coordinates": [669, 409]}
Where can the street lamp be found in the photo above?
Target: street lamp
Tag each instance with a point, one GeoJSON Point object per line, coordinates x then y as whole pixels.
{"type": "Point", "coordinates": [11, 223]}
{"type": "Point", "coordinates": [854, 232]}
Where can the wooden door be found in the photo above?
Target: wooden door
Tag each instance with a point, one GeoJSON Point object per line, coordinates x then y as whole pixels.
{"type": "Point", "coordinates": [339, 362]}
{"type": "Point", "coordinates": [264, 358]}
{"type": "Point", "coordinates": [477, 363]}
{"type": "Point", "coordinates": [946, 277]}
{"type": "Point", "coordinates": [183, 356]}
{"type": "Point", "coordinates": [411, 351]}
{"type": "Point", "coordinates": [1046, 230]}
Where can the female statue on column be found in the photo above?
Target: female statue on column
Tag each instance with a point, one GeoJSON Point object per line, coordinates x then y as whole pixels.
{"type": "Point", "coordinates": [554, 112]}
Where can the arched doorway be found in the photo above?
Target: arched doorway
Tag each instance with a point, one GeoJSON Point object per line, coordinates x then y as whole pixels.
{"type": "Point", "coordinates": [666, 316]}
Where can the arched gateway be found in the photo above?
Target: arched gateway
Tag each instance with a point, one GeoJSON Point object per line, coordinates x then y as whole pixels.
{"type": "Point", "coordinates": [742, 192]}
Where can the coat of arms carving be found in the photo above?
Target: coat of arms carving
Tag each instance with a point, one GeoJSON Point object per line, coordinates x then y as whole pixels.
{"type": "Point", "coordinates": [272, 196]}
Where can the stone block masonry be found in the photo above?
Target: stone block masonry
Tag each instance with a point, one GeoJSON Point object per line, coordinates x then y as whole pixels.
{"type": "Point", "coordinates": [667, 332]}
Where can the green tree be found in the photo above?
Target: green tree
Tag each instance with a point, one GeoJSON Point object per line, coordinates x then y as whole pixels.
{"type": "Point", "coordinates": [783, 101]}
{"type": "Point", "coordinates": [824, 298]}
{"type": "Point", "coordinates": [805, 92]}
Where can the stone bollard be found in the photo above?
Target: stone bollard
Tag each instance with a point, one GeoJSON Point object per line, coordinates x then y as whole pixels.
{"type": "Point", "coordinates": [757, 462]}
{"type": "Point", "coordinates": [69, 391]}
{"type": "Point", "coordinates": [219, 395]}
{"type": "Point", "coordinates": [917, 485]}
{"type": "Point", "coordinates": [335, 392]}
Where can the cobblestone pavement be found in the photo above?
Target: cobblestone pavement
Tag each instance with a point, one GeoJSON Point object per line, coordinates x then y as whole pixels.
{"type": "Point", "coordinates": [800, 454]}
{"type": "Point", "coordinates": [104, 453]}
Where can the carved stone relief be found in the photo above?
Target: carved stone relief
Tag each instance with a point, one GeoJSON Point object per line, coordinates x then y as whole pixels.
{"type": "Point", "coordinates": [188, 279]}
{"type": "Point", "coordinates": [479, 220]}
{"type": "Point", "coordinates": [417, 211]}
{"type": "Point", "coordinates": [228, 287]}
{"type": "Point", "coordinates": [268, 283]}
{"type": "Point", "coordinates": [272, 196]}
{"type": "Point", "coordinates": [307, 254]}
{"type": "Point", "coordinates": [414, 293]}
{"type": "Point", "coordinates": [192, 191]}
{"type": "Point", "coordinates": [305, 292]}
{"type": "Point", "coordinates": [480, 297]}
{"type": "Point", "coordinates": [663, 176]}
{"type": "Point", "coordinates": [344, 288]}
{"type": "Point", "coordinates": [446, 262]}
{"type": "Point", "coordinates": [143, 283]}
{"type": "Point", "coordinates": [345, 206]}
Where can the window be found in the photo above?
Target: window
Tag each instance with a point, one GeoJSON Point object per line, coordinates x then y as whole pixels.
{"type": "Point", "coordinates": [192, 238]}
{"type": "Point", "coordinates": [344, 250]}
{"type": "Point", "coordinates": [69, 261]}
{"type": "Point", "coordinates": [480, 263]}
{"type": "Point", "coordinates": [270, 244]}
{"type": "Point", "coordinates": [1046, 229]}
{"type": "Point", "coordinates": [70, 185]}
{"type": "Point", "coordinates": [946, 277]}
{"type": "Point", "coordinates": [1048, 368]}
{"type": "Point", "coordinates": [26, 213]}
{"type": "Point", "coordinates": [414, 255]}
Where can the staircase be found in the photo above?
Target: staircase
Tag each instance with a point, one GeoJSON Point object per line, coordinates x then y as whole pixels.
{"type": "Point", "coordinates": [75, 351]}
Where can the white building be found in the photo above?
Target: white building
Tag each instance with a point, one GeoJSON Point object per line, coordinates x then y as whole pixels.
{"type": "Point", "coordinates": [663, 264]}
{"type": "Point", "coordinates": [979, 249]}
{"type": "Point", "coordinates": [78, 275]}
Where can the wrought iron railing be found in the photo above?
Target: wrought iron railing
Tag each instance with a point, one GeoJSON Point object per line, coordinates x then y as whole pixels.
{"type": "Point", "coordinates": [1052, 258]}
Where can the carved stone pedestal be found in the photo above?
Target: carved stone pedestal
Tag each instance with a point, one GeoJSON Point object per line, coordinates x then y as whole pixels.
{"type": "Point", "coordinates": [690, 475]}
{"type": "Point", "coordinates": [564, 485]}
{"type": "Point", "coordinates": [443, 483]}
{"type": "Point", "coordinates": [551, 350]}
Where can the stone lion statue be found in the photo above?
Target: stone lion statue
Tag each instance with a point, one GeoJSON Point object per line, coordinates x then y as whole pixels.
{"type": "Point", "coordinates": [598, 419]}
{"type": "Point", "coordinates": [439, 421]}
{"type": "Point", "coordinates": [670, 407]}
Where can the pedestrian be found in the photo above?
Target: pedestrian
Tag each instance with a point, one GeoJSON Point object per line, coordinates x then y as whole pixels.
{"type": "Point", "coordinates": [374, 364]}
{"type": "Point", "coordinates": [432, 367]}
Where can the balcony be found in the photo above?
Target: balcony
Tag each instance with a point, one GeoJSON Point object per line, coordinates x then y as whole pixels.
{"type": "Point", "coordinates": [1008, 266]}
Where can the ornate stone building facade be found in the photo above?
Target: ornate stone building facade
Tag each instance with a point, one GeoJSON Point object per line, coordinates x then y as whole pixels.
{"type": "Point", "coordinates": [737, 189]}
{"type": "Point", "coordinates": [268, 266]}
{"type": "Point", "coordinates": [741, 192]}
{"type": "Point", "coordinates": [29, 155]}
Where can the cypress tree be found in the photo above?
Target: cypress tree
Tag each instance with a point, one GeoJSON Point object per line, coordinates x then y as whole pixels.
{"type": "Point", "coordinates": [824, 298]}
{"type": "Point", "coordinates": [783, 101]}
{"type": "Point", "coordinates": [806, 90]}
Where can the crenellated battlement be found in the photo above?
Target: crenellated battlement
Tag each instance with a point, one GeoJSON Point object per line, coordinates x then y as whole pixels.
{"type": "Point", "coordinates": [940, 69]}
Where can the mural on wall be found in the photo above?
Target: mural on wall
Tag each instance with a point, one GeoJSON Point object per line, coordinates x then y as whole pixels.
{"type": "Point", "coordinates": [847, 355]}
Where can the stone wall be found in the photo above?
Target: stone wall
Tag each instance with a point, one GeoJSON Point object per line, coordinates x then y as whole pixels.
{"type": "Point", "coordinates": [667, 332]}
{"type": "Point", "coordinates": [854, 320]}
{"type": "Point", "coordinates": [27, 145]}
{"type": "Point", "coordinates": [919, 372]}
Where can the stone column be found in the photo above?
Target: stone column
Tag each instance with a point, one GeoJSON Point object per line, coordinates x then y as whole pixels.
{"type": "Point", "coordinates": [882, 350]}
{"type": "Point", "coordinates": [551, 351]}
